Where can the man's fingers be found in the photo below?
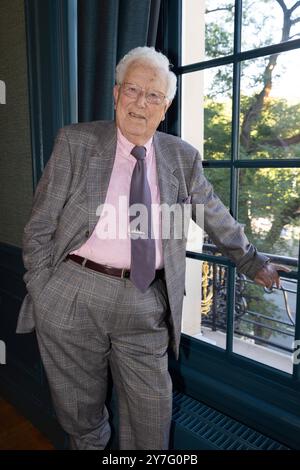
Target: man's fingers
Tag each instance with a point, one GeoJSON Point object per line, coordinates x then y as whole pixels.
{"type": "Point", "coordinates": [268, 276]}
{"type": "Point", "coordinates": [279, 267]}
{"type": "Point", "coordinates": [277, 281]}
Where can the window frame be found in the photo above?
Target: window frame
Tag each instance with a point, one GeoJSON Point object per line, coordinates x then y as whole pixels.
{"type": "Point", "coordinates": [231, 383]}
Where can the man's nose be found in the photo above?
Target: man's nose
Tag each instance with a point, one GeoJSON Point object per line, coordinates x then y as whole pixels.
{"type": "Point", "coordinates": [141, 99]}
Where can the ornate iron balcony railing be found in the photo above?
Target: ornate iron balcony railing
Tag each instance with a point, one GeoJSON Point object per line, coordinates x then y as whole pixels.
{"type": "Point", "coordinates": [256, 317]}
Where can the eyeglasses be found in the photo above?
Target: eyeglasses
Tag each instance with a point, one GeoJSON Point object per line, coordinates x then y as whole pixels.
{"type": "Point", "coordinates": [133, 91]}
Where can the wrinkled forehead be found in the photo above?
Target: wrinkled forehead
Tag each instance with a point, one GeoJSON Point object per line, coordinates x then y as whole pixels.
{"type": "Point", "coordinates": [147, 75]}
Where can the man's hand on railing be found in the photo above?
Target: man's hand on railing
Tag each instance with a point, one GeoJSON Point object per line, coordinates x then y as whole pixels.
{"type": "Point", "coordinates": [268, 275]}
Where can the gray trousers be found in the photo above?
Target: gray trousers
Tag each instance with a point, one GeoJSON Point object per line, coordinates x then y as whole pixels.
{"type": "Point", "coordinates": [87, 321]}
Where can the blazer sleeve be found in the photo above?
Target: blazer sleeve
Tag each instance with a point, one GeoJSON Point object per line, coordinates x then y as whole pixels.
{"type": "Point", "coordinates": [49, 199]}
{"type": "Point", "coordinates": [227, 234]}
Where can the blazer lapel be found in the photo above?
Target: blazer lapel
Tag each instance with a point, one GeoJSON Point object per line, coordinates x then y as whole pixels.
{"type": "Point", "coordinates": [101, 163]}
{"type": "Point", "coordinates": [167, 181]}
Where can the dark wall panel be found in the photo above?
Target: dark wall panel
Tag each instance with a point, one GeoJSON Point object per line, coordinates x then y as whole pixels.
{"type": "Point", "coordinates": [15, 148]}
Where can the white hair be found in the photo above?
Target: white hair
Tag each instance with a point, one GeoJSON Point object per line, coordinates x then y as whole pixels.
{"type": "Point", "coordinates": [152, 57]}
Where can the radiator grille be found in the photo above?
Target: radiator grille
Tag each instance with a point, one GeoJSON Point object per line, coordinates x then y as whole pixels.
{"type": "Point", "coordinates": [217, 430]}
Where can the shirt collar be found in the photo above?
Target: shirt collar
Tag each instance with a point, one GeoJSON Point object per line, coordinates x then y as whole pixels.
{"type": "Point", "coordinates": [126, 146]}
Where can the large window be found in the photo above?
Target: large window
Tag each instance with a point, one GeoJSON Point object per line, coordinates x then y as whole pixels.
{"type": "Point", "coordinates": [239, 102]}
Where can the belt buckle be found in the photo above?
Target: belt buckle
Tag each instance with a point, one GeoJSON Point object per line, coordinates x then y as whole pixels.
{"type": "Point", "coordinates": [123, 273]}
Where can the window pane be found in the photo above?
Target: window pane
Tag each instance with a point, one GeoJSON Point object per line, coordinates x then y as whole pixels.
{"type": "Point", "coordinates": [207, 29]}
{"type": "Point", "coordinates": [207, 111]}
{"type": "Point", "coordinates": [205, 318]}
{"type": "Point", "coordinates": [268, 205]}
{"type": "Point", "coordinates": [264, 326]}
{"type": "Point", "coordinates": [269, 22]}
{"type": "Point", "coordinates": [270, 107]}
{"type": "Point", "coordinates": [220, 179]}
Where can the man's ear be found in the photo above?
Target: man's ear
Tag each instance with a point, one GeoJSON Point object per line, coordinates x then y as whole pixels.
{"type": "Point", "coordinates": [116, 92]}
{"type": "Point", "coordinates": [167, 105]}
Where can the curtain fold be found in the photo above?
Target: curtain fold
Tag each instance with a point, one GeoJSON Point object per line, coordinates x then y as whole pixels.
{"type": "Point", "coordinates": [108, 29]}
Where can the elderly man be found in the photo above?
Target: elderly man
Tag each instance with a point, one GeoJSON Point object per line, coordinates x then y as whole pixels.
{"type": "Point", "coordinates": [98, 301]}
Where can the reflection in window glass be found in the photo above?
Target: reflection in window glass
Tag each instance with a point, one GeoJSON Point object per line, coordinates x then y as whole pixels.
{"type": "Point", "coordinates": [270, 107]}
{"type": "Point", "coordinates": [268, 205]}
{"type": "Point", "coordinates": [264, 323]}
{"type": "Point", "coordinates": [207, 29]}
{"type": "Point", "coordinates": [207, 111]}
{"type": "Point", "coordinates": [212, 306]}
{"type": "Point", "coordinates": [269, 22]}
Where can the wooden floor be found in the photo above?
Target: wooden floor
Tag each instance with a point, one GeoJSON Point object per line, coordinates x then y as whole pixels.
{"type": "Point", "coordinates": [17, 433]}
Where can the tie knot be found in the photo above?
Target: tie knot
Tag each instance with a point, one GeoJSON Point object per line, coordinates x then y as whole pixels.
{"type": "Point", "coordinates": [139, 152]}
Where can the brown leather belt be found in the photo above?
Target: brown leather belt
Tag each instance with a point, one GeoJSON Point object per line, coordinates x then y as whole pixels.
{"type": "Point", "coordinates": [111, 271]}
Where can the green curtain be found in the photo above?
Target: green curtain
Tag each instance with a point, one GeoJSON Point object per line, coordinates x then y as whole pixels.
{"type": "Point", "coordinates": [107, 29]}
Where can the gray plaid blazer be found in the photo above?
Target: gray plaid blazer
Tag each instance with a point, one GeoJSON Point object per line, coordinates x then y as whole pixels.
{"type": "Point", "coordinates": [75, 182]}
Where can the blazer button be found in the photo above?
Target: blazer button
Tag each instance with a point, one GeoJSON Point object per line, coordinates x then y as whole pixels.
{"type": "Point", "coordinates": [87, 234]}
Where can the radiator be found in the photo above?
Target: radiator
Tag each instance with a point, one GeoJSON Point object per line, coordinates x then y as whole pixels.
{"type": "Point", "coordinates": [197, 426]}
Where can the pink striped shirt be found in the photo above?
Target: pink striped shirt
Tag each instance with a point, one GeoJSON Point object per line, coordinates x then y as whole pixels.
{"type": "Point", "coordinates": [113, 249]}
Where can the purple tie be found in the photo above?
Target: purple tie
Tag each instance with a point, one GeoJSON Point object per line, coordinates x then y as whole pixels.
{"type": "Point", "coordinates": [142, 269]}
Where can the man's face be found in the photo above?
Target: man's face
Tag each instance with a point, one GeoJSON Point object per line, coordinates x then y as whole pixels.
{"type": "Point", "coordinates": [135, 117]}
